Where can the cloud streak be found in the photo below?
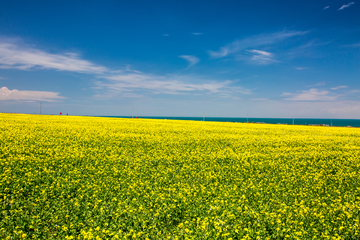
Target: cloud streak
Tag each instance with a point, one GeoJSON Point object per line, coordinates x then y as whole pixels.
{"type": "Point", "coordinates": [26, 58]}
{"type": "Point", "coordinates": [255, 41]}
{"type": "Point", "coordinates": [191, 59]}
{"type": "Point", "coordinates": [355, 45]}
{"type": "Point", "coordinates": [338, 87]}
{"type": "Point", "coordinates": [6, 94]}
{"type": "Point", "coordinates": [346, 5]}
{"type": "Point", "coordinates": [126, 82]}
{"type": "Point", "coordinates": [262, 57]}
{"type": "Point", "coordinates": [310, 95]}
{"type": "Point", "coordinates": [172, 84]}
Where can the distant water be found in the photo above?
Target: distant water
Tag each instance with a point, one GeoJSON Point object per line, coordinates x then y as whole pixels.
{"type": "Point", "coordinates": [297, 121]}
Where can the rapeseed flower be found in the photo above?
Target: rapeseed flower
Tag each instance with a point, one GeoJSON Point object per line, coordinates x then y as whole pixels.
{"type": "Point", "coordinates": [111, 178]}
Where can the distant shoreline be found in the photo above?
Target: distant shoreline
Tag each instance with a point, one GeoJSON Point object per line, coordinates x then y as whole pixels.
{"type": "Point", "coordinates": [284, 121]}
{"type": "Point", "coordinates": [326, 122]}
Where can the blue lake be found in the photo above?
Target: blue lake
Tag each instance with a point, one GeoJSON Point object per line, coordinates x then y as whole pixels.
{"type": "Point", "coordinates": [296, 121]}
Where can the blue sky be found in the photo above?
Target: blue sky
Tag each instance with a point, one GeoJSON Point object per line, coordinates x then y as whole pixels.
{"type": "Point", "coordinates": [181, 58]}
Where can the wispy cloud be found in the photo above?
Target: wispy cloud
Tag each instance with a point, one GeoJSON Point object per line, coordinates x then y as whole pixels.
{"type": "Point", "coordinates": [338, 87]}
{"type": "Point", "coordinates": [262, 57]}
{"type": "Point", "coordinates": [6, 94]}
{"type": "Point", "coordinates": [323, 83]}
{"type": "Point", "coordinates": [308, 49]}
{"type": "Point", "coordinates": [255, 41]}
{"type": "Point", "coordinates": [263, 53]}
{"type": "Point", "coordinates": [301, 68]}
{"type": "Point", "coordinates": [355, 45]}
{"type": "Point", "coordinates": [165, 35]}
{"type": "Point", "coordinates": [126, 82]}
{"type": "Point", "coordinates": [310, 95]}
{"type": "Point", "coordinates": [346, 5]}
{"type": "Point", "coordinates": [158, 84]}
{"type": "Point", "coordinates": [25, 58]}
{"type": "Point", "coordinates": [197, 33]}
{"type": "Point", "coordinates": [326, 7]}
{"type": "Point", "coordinates": [191, 59]}
{"type": "Point", "coordinates": [2, 78]}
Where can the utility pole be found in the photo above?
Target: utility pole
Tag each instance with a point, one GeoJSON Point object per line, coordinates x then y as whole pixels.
{"type": "Point", "coordinates": [204, 117]}
{"type": "Point", "coordinates": [247, 118]}
{"type": "Point", "coordinates": [133, 113]}
{"type": "Point", "coordinates": [40, 107]}
{"type": "Point", "coordinates": [331, 122]}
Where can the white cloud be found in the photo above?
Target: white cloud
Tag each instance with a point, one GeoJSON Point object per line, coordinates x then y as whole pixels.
{"type": "Point", "coordinates": [25, 58]}
{"type": "Point", "coordinates": [338, 87]}
{"type": "Point", "coordinates": [171, 84]}
{"type": "Point", "coordinates": [308, 109]}
{"type": "Point", "coordinates": [346, 5]}
{"type": "Point", "coordinates": [191, 59]}
{"type": "Point", "coordinates": [157, 84]}
{"type": "Point", "coordinates": [301, 68]}
{"type": "Point", "coordinates": [326, 7]}
{"type": "Point", "coordinates": [262, 57]}
{"type": "Point", "coordinates": [311, 95]}
{"type": "Point", "coordinates": [267, 54]}
{"type": "Point", "coordinates": [6, 94]}
{"type": "Point", "coordinates": [197, 33]}
{"type": "Point", "coordinates": [255, 41]}
{"type": "Point", "coordinates": [319, 84]}
{"type": "Point", "coordinates": [122, 81]}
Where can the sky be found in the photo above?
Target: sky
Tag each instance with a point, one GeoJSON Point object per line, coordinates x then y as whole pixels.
{"type": "Point", "coordinates": [270, 59]}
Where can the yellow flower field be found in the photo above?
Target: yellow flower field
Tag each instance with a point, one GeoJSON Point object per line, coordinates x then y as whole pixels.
{"type": "Point", "coordinates": [65, 177]}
